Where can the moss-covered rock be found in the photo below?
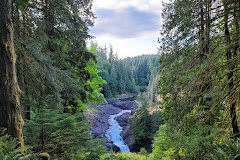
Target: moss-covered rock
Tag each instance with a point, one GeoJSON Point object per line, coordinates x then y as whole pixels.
{"type": "Point", "coordinates": [44, 156]}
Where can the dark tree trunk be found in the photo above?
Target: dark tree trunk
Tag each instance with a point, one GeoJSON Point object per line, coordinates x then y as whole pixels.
{"type": "Point", "coordinates": [208, 26]}
{"type": "Point", "coordinates": [205, 24]}
{"type": "Point", "coordinates": [201, 33]}
{"type": "Point", "coordinates": [230, 70]}
{"type": "Point", "coordinates": [236, 43]}
{"type": "Point", "coordinates": [10, 111]}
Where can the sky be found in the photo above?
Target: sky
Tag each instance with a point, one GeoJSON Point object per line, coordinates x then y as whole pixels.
{"type": "Point", "coordinates": [131, 26]}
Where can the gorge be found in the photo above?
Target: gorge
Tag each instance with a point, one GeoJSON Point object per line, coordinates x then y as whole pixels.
{"type": "Point", "coordinates": [111, 123]}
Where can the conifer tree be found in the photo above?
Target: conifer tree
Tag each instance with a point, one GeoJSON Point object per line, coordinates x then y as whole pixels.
{"type": "Point", "coordinates": [198, 75]}
{"type": "Point", "coordinates": [10, 109]}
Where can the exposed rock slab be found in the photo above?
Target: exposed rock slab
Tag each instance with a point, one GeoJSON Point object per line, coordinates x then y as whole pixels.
{"type": "Point", "coordinates": [126, 105]}
{"type": "Point", "coordinates": [123, 119]}
{"type": "Point", "coordinates": [111, 101]}
{"type": "Point", "coordinates": [126, 96]}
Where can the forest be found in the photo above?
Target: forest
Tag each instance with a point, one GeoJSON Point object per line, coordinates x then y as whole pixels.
{"type": "Point", "coordinates": [188, 95]}
{"type": "Point", "coordinates": [132, 74]}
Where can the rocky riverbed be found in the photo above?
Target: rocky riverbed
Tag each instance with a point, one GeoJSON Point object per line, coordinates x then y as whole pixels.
{"type": "Point", "coordinates": [100, 121]}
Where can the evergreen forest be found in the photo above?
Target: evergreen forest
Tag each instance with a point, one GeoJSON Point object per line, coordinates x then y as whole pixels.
{"type": "Point", "coordinates": [52, 72]}
{"type": "Point", "coordinates": [132, 74]}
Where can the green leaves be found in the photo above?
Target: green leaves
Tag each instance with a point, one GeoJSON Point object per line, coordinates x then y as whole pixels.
{"type": "Point", "coordinates": [94, 82]}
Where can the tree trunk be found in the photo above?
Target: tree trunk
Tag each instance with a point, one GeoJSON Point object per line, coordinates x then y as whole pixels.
{"type": "Point", "coordinates": [236, 43]}
{"type": "Point", "coordinates": [208, 26]}
{"type": "Point", "coordinates": [204, 33]}
{"type": "Point", "coordinates": [201, 33]}
{"type": "Point", "coordinates": [10, 111]}
{"type": "Point", "coordinates": [230, 70]}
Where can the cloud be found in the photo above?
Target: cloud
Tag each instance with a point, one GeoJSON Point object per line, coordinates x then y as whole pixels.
{"type": "Point", "coordinates": [153, 6]}
{"type": "Point", "coordinates": [109, 4]}
{"type": "Point", "coordinates": [131, 26]}
{"type": "Point", "coordinates": [125, 23]}
{"type": "Point", "coordinates": [145, 44]}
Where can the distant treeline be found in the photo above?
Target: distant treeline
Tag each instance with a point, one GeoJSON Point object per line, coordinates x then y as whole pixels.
{"type": "Point", "coordinates": [130, 74]}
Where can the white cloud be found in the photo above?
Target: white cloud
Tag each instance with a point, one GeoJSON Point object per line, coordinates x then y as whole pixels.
{"type": "Point", "coordinates": [153, 6]}
{"type": "Point", "coordinates": [144, 44]}
{"type": "Point", "coordinates": [131, 26]}
{"type": "Point", "coordinates": [110, 4]}
{"type": "Point", "coordinates": [127, 23]}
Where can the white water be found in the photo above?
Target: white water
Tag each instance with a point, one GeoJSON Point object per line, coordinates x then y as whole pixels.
{"type": "Point", "coordinates": [114, 131]}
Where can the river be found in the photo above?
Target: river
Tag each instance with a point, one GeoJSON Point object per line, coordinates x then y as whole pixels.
{"type": "Point", "coordinates": [114, 131]}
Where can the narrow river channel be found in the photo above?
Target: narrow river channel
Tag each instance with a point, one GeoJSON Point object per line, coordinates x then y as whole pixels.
{"type": "Point", "coordinates": [114, 132]}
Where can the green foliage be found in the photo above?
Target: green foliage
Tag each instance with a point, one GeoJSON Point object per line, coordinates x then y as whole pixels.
{"type": "Point", "coordinates": [52, 55]}
{"type": "Point", "coordinates": [144, 152]}
{"type": "Point", "coordinates": [163, 145]}
{"type": "Point", "coordinates": [14, 155]}
{"type": "Point", "coordinates": [122, 156]}
{"type": "Point", "coordinates": [62, 135]}
{"type": "Point", "coordinates": [122, 75]}
{"type": "Point", "coordinates": [55, 69]}
{"type": "Point", "coordinates": [141, 124]}
{"type": "Point", "coordinates": [9, 151]}
{"type": "Point", "coordinates": [198, 75]}
{"type": "Point", "coordinates": [7, 143]}
{"type": "Point", "coordinates": [144, 68]}
{"type": "Point", "coordinates": [142, 88]}
{"type": "Point", "coordinates": [21, 4]}
{"type": "Point", "coordinates": [95, 81]}
{"type": "Point", "coordinates": [226, 150]}
{"type": "Point", "coordinates": [156, 119]}
{"type": "Point", "coordinates": [152, 90]}
{"type": "Point", "coordinates": [144, 125]}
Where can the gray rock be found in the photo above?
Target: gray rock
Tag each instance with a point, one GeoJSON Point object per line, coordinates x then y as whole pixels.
{"type": "Point", "coordinates": [111, 101]}
{"type": "Point", "coordinates": [126, 132]}
{"type": "Point", "coordinates": [126, 105]}
{"type": "Point", "coordinates": [110, 146]}
{"type": "Point", "coordinates": [123, 119]}
{"type": "Point", "coordinates": [129, 95]}
{"type": "Point", "coordinates": [100, 123]}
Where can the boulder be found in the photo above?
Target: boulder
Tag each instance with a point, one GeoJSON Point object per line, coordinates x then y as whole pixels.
{"type": "Point", "coordinates": [125, 105]}
{"type": "Point", "coordinates": [110, 146]}
{"type": "Point", "coordinates": [111, 101]}
{"type": "Point", "coordinates": [126, 96]}
{"type": "Point", "coordinates": [123, 119]}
